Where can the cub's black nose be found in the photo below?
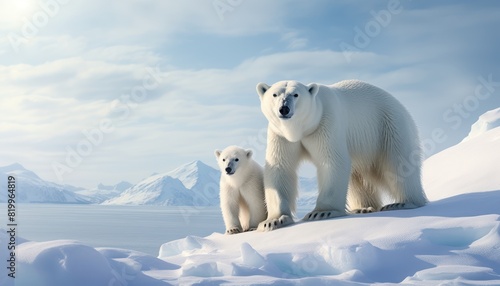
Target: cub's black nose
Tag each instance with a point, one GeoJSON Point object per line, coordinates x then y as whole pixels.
{"type": "Point", "coordinates": [228, 170]}
{"type": "Point", "coordinates": [284, 110]}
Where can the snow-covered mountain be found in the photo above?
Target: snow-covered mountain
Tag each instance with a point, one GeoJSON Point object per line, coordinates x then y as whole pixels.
{"type": "Point", "coordinates": [103, 192]}
{"type": "Point", "coordinates": [32, 189]}
{"type": "Point", "coordinates": [193, 184]}
{"type": "Point", "coordinates": [154, 190]}
{"type": "Point", "coordinates": [201, 179]}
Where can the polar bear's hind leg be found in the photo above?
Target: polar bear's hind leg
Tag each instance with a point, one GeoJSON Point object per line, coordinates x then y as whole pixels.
{"type": "Point", "coordinates": [402, 172]}
{"type": "Point", "coordinates": [363, 196]}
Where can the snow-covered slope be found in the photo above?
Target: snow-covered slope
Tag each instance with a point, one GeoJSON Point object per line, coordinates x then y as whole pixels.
{"type": "Point", "coordinates": [473, 165]}
{"type": "Point", "coordinates": [102, 192]}
{"type": "Point", "coordinates": [193, 184]}
{"type": "Point", "coordinates": [32, 189]}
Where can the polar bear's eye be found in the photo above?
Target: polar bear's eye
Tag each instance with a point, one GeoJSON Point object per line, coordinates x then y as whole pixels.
{"type": "Point", "coordinates": [223, 160]}
{"type": "Point", "coordinates": [296, 95]}
{"type": "Point", "coordinates": [236, 159]}
{"type": "Point", "coordinates": [275, 95]}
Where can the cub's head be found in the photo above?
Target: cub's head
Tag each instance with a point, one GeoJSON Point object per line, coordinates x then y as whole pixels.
{"type": "Point", "coordinates": [289, 106]}
{"type": "Point", "coordinates": [232, 159]}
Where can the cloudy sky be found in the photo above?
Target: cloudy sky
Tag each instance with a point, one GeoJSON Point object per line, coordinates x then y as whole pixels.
{"type": "Point", "coordinates": [104, 91]}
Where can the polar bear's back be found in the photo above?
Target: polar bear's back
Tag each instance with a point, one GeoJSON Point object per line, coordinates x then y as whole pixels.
{"type": "Point", "coordinates": [364, 95]}
{"type": "Point", "coordinates": [369, 103]}
{"type": "Point", "coordinates": [370, 114]}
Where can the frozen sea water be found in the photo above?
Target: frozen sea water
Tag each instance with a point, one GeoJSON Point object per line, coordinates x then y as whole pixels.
{"type": "Point", "coordinates": [141, 228]}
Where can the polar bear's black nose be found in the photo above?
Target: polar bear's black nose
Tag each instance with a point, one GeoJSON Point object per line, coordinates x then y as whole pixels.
{"type": "Point", "coordinates": [228, 170]}
{"type": "Point", "coordinates": [284, 110]}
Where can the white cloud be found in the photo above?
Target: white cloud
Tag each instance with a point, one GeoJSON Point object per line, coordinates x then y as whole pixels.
{"type": "Point", "coordinates": [67, 78]}
{"type": "Point", "coordinates": [294, 41]}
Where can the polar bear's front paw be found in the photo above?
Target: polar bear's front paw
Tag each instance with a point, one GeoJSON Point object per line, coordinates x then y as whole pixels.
{"type": "Point", "coordinates": [319, 215]}
{"type": "Point", "coordinates": [234, 230]}
{"type": "Point", "coordinates": [363, 210]}
{"type": "Point", "coordinates": [275, 223]}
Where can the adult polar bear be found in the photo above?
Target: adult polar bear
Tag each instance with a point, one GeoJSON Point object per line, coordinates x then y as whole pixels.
{"type": "Point", "coordinates": [361, 140]}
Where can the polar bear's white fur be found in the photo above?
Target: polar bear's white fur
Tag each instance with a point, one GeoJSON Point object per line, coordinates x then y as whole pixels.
{"type": "Point", "coordinates": [362, 141]}
{"type": "Point", "coordinates": [241, 190]}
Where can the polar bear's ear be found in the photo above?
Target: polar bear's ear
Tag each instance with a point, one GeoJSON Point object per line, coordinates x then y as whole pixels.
{"type": "Point", "coordinates": [217, 153]}
{"type": "Point", "coordinates": [261, 89]}
{"type": "Point", "coordinates": [249, 153]}
{"type": "Point", "coordinates": [313, 89]}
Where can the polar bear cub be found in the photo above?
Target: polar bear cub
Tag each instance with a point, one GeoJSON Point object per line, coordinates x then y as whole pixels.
{"type": "Point", "coordinates": [361, 139]}
{"type": "Point", "coordinates": [241, 190]}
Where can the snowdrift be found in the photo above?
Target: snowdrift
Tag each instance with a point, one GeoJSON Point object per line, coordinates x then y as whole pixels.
{"type": "Point", "coordinates": [486, 122]}
{"type": "Point", "coordinates": [455, 239]}
{"type": "Point", "coordinates": [471, 166]}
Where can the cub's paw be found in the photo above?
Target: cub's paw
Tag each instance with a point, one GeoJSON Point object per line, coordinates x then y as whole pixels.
{"type": "Point", "coordinates": [319, 215]}
{"type": "Point", "coordinates": [363, 210]}
{"type": "Point", "coordinates": [234, 230]}
{"type": "Point", "coordinates": [275, 223]}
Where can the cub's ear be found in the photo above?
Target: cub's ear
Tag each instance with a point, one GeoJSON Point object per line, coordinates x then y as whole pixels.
{"type": "Point", "coordinates": [261, 89]}
{"type": "Point", "coordinates": [313, 89]}
{"type": "Point", "coordinates": [249, 153]}
{"type": "Point", "coordinates": [217, 153]}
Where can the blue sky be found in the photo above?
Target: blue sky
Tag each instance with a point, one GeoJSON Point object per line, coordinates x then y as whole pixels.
{"type": "Point", "coordinates": [102, 92]}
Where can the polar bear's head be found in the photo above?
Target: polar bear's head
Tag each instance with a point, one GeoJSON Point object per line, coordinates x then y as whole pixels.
{"type": "Point", "coordinates": [233, 160]}
{"type": "Point", "coordinates": [290, 107]}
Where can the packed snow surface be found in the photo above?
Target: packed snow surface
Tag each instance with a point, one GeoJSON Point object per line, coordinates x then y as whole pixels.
{"type": "Point", "coordinates": [454, 240]}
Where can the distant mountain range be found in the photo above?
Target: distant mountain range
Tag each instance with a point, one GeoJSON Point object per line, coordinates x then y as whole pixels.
{"type": "Point", "coordinates": [102, 192]}
{"type": "Point", "coordinates": [32, 189]}
{"type": "Point", "coordinates": [192, 184]}
{"type": "Point", "coordinates": [197, 184]}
